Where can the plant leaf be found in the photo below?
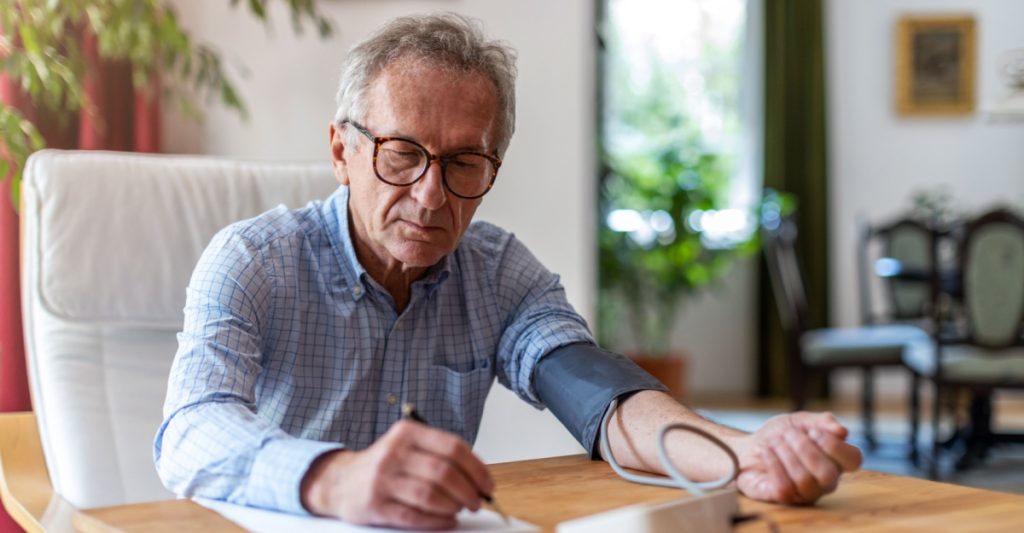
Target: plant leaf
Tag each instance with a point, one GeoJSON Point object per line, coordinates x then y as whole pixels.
{"type": "Point", "coordinates": [258, 9]}
{"type": "Point", "coordinates": [16, 191]}
{"type": "Point", "coordinates": [29, 39]}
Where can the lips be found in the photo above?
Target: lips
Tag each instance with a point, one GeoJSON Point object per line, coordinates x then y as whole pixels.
{"type": "Point", "coordinates": [421, 227]}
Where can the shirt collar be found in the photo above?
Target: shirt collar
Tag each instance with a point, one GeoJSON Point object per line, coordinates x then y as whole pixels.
{"type": "Point", "coordinates": [348, 250]}
{"type": "Point", "coordinates": [435, 276]}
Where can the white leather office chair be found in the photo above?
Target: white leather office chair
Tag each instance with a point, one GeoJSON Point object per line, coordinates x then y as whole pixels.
{"type": "Point", "coordinates": [110, 241]}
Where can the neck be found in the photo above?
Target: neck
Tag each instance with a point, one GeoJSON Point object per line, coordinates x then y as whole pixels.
{"type": "Point", "coordinates": [396, 278]}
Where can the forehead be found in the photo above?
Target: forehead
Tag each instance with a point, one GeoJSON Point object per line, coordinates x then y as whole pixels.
{"type": "Point", "coordinates": [439, 106]}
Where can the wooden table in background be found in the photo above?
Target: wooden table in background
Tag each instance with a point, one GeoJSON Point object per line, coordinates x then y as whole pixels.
{"type": "Point", "coordinates": [548, 491]}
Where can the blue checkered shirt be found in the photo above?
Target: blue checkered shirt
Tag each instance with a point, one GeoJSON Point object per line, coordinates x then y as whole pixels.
{"type": "Point", "coordinates": [290, 349]}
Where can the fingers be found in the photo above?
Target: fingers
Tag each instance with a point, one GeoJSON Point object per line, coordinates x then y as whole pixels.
{"type": "Point", "coordinates": [776, 483]}
{"type": "Point", "coordinates": [826, 422]}
{"type": "Point", "coordinates": [807, 489]}
{"type": "Point", "coordinates": [829, 434]}
{"type": "Point", "coordinates": [442, 462]}
{"type": "Point", "coordinates": [848, 457]}
{"type": "Point", "coordinates": [797, 458]}
{"type": "Point", "coordinates": [810, 463]}
{"type": "Point", "coordinates": [423, 496]}
{"type": "Point", "coordinates": [451, 448]}
{"type": "Point", "coordinates": [824, 471]}
{"type": "Point", "coordinates": [395, 514]}
{"type": "Point", "coordinates": [446, 476]}
{"type": "Point", "coordinates": [414, 477]}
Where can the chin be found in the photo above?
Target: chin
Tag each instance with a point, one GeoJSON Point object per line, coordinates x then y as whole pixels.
{"type": "Point", "coordinates": [419, 254]}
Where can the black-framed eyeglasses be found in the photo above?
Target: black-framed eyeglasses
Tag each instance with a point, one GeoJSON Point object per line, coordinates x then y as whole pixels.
{"type": "Point", "coordinates": [402, 162]}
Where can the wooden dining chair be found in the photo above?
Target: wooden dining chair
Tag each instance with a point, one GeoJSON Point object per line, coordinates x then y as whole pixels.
{"type": "Point", "coordinates": [895, 264]}
{"type": "Point", "coordinates": [987, 351]}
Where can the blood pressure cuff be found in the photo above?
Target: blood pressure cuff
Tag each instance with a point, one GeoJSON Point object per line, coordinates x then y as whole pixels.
{"type": "Point", "coordinates": [578, 382]}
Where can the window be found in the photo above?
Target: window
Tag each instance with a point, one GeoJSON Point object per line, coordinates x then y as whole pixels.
{"type": "Point", "coordinates": [678, 149]}
{"type": "Point", "coordinates": [678, 75]}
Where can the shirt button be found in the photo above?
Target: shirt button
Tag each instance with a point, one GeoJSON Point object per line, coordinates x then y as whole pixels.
{"type": "Point", "coordinates": [357, 291]}
{"type": "Point", "coordinates": [392, 400]}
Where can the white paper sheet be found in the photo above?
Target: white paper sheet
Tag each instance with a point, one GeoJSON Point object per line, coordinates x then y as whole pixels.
{"type": "Point", "coordinates": [263, 521]}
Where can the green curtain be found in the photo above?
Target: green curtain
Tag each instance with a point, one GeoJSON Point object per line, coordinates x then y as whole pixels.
{"type": "Point", "coordinates": [795, 162]}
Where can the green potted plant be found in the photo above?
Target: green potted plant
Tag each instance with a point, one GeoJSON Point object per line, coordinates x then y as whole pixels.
{"type": "Point", "coordinates": [41, 51]}
{"type": "Point", "coordinates": [667, 229]}
{"type": "Point", "coordinates": [658, 247]}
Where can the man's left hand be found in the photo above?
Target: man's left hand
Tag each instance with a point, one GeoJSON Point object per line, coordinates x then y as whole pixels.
{"type": "Point", "coordinates": [795, 458]}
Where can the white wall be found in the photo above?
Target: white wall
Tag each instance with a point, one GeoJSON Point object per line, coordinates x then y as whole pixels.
{"type": "Point", "coordinates": [718, 329]}
{"type": "Point", "coordinates": [545, 192]}
{"type": "Point", "coordinates": [877, 159]}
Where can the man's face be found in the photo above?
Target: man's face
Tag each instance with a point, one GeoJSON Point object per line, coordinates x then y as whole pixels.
{"type": "Point", "coordinates": [414, 226]}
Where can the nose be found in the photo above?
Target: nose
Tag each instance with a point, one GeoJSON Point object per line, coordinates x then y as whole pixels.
{"type": "Point", "coordinates": [429, 190]}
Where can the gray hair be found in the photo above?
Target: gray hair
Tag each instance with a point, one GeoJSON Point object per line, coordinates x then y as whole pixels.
{"type": "Point", "coordinates": [445, 40]}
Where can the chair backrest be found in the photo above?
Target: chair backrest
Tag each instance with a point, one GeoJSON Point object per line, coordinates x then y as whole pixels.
{"type": "Point", "coordinates": [779, 246]}
{"type": "Point", "coordinates": [110, 241]}
{"type": "Point", "coordinates": [992, 270]}
{"type": "Point", "coordinates": [902, 254]}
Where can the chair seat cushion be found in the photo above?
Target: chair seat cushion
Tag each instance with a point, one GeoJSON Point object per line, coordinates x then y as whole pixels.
{"type": "Point", "coordinates": [865, 345]}
{"type": "Point", "coordinates": [971, 364]}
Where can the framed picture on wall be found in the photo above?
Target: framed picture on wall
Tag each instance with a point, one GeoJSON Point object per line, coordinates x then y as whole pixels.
{"type": "Point", "coordinates": [935, 65]}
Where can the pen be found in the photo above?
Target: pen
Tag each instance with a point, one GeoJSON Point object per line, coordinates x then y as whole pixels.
{"type": "Point", "coordinates": [409, 413]}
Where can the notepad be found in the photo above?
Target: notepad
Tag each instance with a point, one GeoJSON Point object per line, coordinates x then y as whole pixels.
{"type": "Point", "coordinates": [264, 521]}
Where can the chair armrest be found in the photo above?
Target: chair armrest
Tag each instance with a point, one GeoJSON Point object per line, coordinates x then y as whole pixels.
{"type": "Point", "coordinates": [24, 482]}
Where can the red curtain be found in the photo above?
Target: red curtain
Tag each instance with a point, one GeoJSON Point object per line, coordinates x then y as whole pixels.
{"type": "Point", "coordinates": [121, 117]}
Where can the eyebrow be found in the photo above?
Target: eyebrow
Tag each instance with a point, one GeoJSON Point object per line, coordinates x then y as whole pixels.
{"type": "Point", "coordinates": [465, 148]}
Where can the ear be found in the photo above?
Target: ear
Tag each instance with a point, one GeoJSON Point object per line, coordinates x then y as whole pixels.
{"type": "Point", "coordinates": [338, 162]}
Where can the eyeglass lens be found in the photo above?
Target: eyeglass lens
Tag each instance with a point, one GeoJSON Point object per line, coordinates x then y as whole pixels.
{"type": "Point", "coordinates": [402, 162]}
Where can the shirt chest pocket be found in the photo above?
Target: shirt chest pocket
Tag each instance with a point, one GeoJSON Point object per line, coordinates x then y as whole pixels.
{"type": "Point", "coordinates": [455, 397]}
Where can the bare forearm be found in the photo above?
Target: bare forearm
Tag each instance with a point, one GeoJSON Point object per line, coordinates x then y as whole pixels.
{"type": "Point", "coordinates": [792, 458]}
{"type": "Point", "coordinates": [634, 427]}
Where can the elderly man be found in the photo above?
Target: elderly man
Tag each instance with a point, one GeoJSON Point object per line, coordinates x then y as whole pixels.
{"type": "Point", "coordinates": [306, 330]}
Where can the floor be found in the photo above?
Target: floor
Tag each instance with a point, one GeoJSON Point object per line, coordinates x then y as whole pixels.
{"type": "Point", "coordinates": [1003, 471]}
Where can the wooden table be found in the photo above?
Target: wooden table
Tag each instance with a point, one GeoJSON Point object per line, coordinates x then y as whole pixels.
{"type": "Point", "coordinates": [548, 491]}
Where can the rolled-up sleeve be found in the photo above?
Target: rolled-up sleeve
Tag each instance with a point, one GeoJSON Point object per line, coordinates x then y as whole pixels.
{"type": "Point", "coordinates": [539, 318]}
{"type": "Point", "coordinates": [212, 442]}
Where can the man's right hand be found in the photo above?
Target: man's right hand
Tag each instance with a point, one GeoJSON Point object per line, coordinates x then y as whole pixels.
{"type": "Point", "coordinates": [413, 477]}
